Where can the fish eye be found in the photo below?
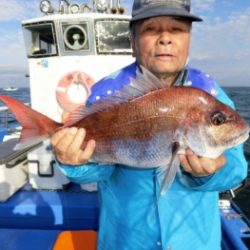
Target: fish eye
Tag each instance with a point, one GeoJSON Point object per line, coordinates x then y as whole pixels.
{"type": "Point", "coordinates": [218, 119]}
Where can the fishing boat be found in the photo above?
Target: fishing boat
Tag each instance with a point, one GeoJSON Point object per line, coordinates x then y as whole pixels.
{"type": "Point", "coordinates": [68, 49]}
{"type": "Point", "coordinates": [10, 88]}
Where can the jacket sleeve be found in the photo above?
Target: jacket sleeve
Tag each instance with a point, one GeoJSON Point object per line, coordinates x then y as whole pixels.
{"type": "Point", "coordinates": [230, 175]}
{"type": "Point", "coordinates": [91, 172]}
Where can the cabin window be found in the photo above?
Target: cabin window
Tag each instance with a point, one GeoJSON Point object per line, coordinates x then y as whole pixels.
{"type": "Point", "coordinates": [112, 37]}
{"type": "Point", "coordinates": [40, 40]}
{"type": "Point", "coordinates": [75, 37]}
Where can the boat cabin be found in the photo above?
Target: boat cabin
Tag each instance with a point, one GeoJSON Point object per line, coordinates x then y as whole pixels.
{"type": "Point", "coordinates": [71, 48]}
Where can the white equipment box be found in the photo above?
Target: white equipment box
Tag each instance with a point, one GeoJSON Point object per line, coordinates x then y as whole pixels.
{"type": "Point", "coordinates": [13, 168]}
{"type": "Point", "coordinates": [43, 173]}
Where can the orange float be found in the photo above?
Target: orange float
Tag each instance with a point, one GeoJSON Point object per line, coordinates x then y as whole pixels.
{"type": "Point", "coordinates": [73, 90]}
{"type": "Point", "coordinates": [76, 240]}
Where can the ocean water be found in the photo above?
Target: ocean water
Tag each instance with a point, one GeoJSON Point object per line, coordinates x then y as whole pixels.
{"type": "Point", "coordinates": [22, 94]}
{"type": "Point", "coordinates": [241, 98]}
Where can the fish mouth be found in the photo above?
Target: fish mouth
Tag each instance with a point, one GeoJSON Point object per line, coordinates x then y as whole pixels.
{"type": "Point", "coordinates": [238, 139]}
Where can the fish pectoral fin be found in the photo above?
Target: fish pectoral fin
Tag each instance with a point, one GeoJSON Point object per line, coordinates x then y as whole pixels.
{"type": "Point", "coordinates": [172, 169]}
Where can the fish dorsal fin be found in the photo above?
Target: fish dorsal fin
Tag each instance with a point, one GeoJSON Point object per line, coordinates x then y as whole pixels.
{"type": "Point", "coordinates": [144, 83]}
{"type": "Point", "coordinates": [148, 80]}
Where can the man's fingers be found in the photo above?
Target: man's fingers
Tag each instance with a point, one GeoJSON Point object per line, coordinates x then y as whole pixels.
{"type": "Point", "coordinates": [88, 151]}
{"type": "Point", "coordinates": [66, 140]}
{"type": "Point", "coordinates": [58, 136]}
{"type": "Point", "coordinates": [76, 142]}
{"type": "Point", "coordinates": [185, 164]}
{"type": "Point", "coordinates": [67, 145]}
{"type": "Point", "coordinates": [213, 165]}
{"type": "Point", "coordinates": [201, 166]}
{"type": "Point", "coordinates": [194, 164]}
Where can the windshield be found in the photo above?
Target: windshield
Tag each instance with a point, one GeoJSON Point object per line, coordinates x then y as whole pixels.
{"type": "Point", "coordinates": [40, 40]}
{"type": "Point", "coordinates": [112, 37]}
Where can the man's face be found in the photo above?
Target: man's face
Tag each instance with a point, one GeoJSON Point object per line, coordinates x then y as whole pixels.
{"type": "Point", "coordinates": [161, 44]}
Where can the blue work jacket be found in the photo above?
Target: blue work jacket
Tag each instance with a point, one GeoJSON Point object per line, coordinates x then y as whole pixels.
{"type": "Point", "coordinates": [132, 217]}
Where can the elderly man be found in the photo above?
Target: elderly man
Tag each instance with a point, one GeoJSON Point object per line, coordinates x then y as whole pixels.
{"type": "Point", "coordinates": [132, 217]}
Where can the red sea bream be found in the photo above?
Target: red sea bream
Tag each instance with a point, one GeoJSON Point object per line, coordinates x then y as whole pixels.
{"type": "Point", "coordinates": [146, 125]}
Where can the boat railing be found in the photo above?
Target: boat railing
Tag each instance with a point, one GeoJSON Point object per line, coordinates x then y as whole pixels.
{"type": "Point", "coordinates": [6, 118]}
{"type": "Point", "coordinates": [247, 148]}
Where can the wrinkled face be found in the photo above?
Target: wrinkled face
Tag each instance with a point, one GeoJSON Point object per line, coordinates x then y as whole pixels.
{"type": "Point", "coordinates": [161, 44]}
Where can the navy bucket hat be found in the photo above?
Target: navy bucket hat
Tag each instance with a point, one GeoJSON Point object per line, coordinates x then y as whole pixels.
{"type": "Point", "coordinates": [143, 9]}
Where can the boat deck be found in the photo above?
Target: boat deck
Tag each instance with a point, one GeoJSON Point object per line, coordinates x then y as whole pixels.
{"type": "Point", "coordinates": [37, 217]}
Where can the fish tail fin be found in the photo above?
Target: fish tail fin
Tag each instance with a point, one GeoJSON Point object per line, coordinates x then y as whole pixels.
{"type": "Point", "coordinates": [35, 126]}
{"type": "Point", "coordinates": [172, 169]}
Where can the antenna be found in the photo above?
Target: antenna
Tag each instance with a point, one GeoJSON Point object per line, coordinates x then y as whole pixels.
{"type": "Point", "coordinates": [113, 9]}
{"type": "Point", "coordinates": [121, 10]}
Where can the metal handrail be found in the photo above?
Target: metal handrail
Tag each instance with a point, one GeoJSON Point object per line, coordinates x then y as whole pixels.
{"type": "Point", "coordinates": [247, 148]}
{"type": "Point", "coordinates": [6, 115]}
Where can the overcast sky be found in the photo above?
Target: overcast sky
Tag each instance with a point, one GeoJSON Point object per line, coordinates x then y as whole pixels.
{"type": "Point", "coordinates": [220, 44]}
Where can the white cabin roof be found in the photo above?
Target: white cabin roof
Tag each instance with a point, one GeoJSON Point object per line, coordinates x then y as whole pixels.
{"type": "Point", "coordinates": [75, 16]}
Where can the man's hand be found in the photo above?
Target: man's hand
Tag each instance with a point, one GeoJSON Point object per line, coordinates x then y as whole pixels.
{"type": "Point", "coordinates": [66, 145]}
{"type": "Point", "coordinates": [200, 166]}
